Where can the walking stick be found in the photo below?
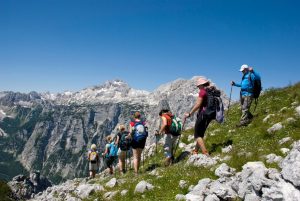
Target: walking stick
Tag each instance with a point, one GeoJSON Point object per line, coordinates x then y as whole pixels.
{"type": "Point", "coordinates": [229, 100]}
{"type": "Point", "coordinates": [143, 159]}
{"type": "Point", "coordinates": [130, 158]}
{"type": "Point", "coordinates": [126, 161]}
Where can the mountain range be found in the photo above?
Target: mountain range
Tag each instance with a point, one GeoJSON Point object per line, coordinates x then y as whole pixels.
{"type": "Point", "coordinates": [53, 132]}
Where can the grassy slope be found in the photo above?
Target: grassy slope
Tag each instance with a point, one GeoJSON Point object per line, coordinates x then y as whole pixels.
{"type": "Point", "coordinates": [249, 144]}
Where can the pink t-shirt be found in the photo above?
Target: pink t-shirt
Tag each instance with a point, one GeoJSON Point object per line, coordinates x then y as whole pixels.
{"type": "Point", "coordinates": [203, 95]}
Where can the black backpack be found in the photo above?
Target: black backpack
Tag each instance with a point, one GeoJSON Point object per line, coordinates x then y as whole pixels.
{"type": "Point", "coordinates": [213, 96]}
{"type": "Point", "coordinates": [125, 143]}
{"type": "Point", "coordinates": [256, 84]}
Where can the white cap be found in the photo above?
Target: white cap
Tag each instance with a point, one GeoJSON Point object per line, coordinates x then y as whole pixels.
{"type": "Point", "coordinates": [243, 67]}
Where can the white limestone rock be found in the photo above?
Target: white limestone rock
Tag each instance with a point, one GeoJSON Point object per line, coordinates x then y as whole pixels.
{"type": "Point", "coordinates": [182, 184]}
{"type": "Point", "coordinates": [112, 183]}
{"type": "Point", "coordinates": [284, 140]}
{"type": "Point", "coordinates": [291, 165]}
{"type": "Point", "coordinates": [274, 128]}
{"type": "Point", "coordinates": [224, 171]}
{"type": "Point", "coordinates": [273, 158]}
{"type": "Point", "coordinates": [266, 119]}
{"type": "Point", "coordinates": [227, 149]}
{"type": "Point", "coordinates": [143, 186]}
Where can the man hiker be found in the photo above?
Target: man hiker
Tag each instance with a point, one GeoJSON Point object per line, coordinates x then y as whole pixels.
{"type": "Point", "coordinates": [170, 139]}
{"type": "Point", "coordinates": [94, 161]}
{"type": "Point", "coordinates": [246, 93]}
{"type": "Point", "coordinates": [203, 118]}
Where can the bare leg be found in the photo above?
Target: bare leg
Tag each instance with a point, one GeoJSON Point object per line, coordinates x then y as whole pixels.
{"type": "Point", "coordinates": [135, 160]}
{"type": "Point", "coordinates": [200, 143]}
{"type": "Point", "coordinates": [122, 161]}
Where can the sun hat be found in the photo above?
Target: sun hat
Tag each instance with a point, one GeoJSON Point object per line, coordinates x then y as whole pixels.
{"type": "Point", "coordinates": [201, 81]}
{"type": "Point", "coordinates": [94, 147]}
{"type": "Point", "coordinates": [243, 67]}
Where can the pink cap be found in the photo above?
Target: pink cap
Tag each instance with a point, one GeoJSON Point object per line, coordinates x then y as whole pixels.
{"type": "Point", "coordinates": [201, 81]}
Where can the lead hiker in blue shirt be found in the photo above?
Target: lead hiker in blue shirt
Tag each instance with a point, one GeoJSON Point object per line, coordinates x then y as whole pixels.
{"type": "Point", "coordinates": [247, 87]}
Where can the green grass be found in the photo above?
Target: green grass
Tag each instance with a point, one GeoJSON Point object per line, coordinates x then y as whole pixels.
{"type": "Point", "coordinates": [249, 143]}
{"type": "Point", "coordinates": [4, 191]}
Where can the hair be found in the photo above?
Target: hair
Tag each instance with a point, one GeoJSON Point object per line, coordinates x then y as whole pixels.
{"type": "Point", "coordinates": [137, 115]}
{"type": "Point", "coordinates": [163, 111]}
{"type": "Point", "coordinates": [121, 127]}
{"type": "Point", "coordinates": [93, 147]}
{"type": "Point", "coordinates": [108, 138]}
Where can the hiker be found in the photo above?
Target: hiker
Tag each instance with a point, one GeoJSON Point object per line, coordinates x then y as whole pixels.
{"type": "Point", "coordinates": [124, 144]}
{"type": "Point", "coordinates": [110, 153]}
{"type": "Point", "coordinates": [246, 93]}
{"type": "Point", "coordinates": [203, 118]}
{"type": "Point", "coordinates": [138, 133]}
{"type": "Point", "coordinates": [170, 139]}
{"type": "Point", "coordinates": [94, 160]}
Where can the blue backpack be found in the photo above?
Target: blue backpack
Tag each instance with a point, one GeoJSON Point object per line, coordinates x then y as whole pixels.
{"type": "Point", "coordinates": [140, 132]}
{"type": "Point", "coordinates": [113, 149]}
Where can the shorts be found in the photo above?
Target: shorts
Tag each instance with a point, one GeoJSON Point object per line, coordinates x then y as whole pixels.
{"type": "Point", "coordinates": [202, 123]}
{"type": "Point", "coordinates": [93, 166]}
{"type": "Point", "coordinates": [138, 144]}
{"type": "Point", "coordinates": [110, 160]}
{"type": "Point", "coordinates": [170, 143]}
{"type": "Point", "coordinates": [121, 153]}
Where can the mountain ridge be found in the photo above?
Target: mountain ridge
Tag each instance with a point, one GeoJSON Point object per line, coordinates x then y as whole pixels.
{"type": "Point", "coordinates": [49, 132]}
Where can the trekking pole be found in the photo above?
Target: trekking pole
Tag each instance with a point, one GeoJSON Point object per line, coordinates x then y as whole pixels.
{"type": "Point", "coordinates": [143, 159]}
{"type": "Point", "coordinates": [156, 148]}
{"type": "Point", "coordinates": [125, 161]}
{"type": "Point", "coordinates": [229, 100]}
{"type": "Point", "coordinates": [130, 159]}
{"type": "Point", "coordinates": [255, 101]}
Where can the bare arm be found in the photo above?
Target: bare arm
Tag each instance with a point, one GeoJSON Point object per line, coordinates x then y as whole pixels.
{"type": "Point", "coordinates": [195, 108]}
{"type": "Point", "coordinates": [163, 125]}
{"type": "Point", "coordinates": [106, 151]}
{"type": "Point", "coordinates": [117, 140]}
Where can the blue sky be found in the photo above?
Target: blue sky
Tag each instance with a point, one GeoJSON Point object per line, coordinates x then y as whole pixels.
{"type": "Point", "coordinates": [59, 45]}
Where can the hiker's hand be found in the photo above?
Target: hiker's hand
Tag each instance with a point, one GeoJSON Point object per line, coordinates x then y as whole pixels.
{"type": "Point", "coordinates": [232, 83]}
{"type": "Point", "coordinates": [250, 69]}
{"type": "Point", "coordinates": [187, 115]}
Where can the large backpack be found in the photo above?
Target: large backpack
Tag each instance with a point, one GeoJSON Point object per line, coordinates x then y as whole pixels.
{"type": "Point", "coordinates": [214, 105]}
{"type": "Point", "coordinates": [174, 123]}
{"type": "Point", "coordinates": [125, 143]}
{"type": "Point", "coordinates": [113, 149]}
{"type": "Point", "coordinates": [256, 86]}
{"type": "Point", "coordinates": [140, 131]}
{"type": "Point", "coordinates": [93, 156]}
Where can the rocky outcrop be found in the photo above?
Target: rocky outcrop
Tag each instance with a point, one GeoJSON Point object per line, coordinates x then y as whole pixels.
{"type": "Point", "coordinates": [24, 188]}
{"type": "Point", "coordinates": [254, 182]}
{"type": "Point", "coordinates": [291, 165]}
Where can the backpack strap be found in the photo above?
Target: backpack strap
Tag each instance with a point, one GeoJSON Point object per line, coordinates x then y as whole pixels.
{"type": "Point", "coordinates": [169, 119]}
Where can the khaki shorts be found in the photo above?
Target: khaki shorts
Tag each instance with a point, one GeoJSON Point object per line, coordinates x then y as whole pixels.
{"type": "Point", "coordinates": [93, 166]}
{"type": "Point", "coordinates": [170, 143]}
